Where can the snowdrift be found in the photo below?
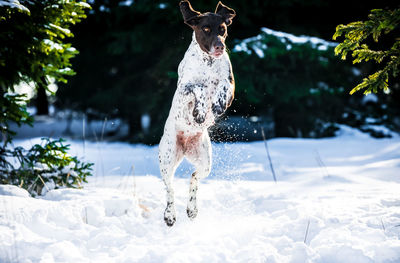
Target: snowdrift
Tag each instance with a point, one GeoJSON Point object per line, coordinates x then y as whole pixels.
{"type": "Point", "coordinates": [335, 200]}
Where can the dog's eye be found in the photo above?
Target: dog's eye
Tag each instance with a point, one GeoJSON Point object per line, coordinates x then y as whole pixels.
{"type": "Point", "coordinates": [207, 29]}
{"type": "Point", "coordinates": [222, 30]}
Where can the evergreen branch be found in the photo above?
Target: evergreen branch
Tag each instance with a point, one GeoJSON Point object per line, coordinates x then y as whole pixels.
{"type": "Point", "coordinates": [355, 33]}
{"type": "Point", "coordinates": [366, 54]}
{"type": "Point", "coordinates": [378, 80]}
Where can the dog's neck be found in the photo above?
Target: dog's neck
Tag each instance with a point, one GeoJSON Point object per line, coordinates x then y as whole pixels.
{"type": "Point", "coordinates": [201, 53]}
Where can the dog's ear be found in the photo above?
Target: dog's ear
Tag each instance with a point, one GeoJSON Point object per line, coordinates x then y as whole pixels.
{"type": "Point", "coordinates": [190, 16]}
{"type": "Point", "coordinates": [227, 13]}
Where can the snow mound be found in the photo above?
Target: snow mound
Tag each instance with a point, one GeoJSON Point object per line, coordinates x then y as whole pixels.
{"type": "Point", "coordinates": [13, 190]}
{"type": "Point", "coordinates": [336, 200]}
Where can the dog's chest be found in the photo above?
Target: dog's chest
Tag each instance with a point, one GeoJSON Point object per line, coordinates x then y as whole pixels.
{"type": "Point", "coordinates": [200, 79]}
{"type": "Point", "coordinates": [195, 76]}
{"type": "Point", "coordinates": [196, 68]}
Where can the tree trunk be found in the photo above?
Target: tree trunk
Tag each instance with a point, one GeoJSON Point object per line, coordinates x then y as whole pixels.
{"type": "Point", "coordinates": [42, 103]}
{"type": "Point", "coordinates": [134, 126]}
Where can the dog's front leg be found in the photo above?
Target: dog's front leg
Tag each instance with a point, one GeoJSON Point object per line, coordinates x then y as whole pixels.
{"type": "Point", "coordinates": [223, 98]}
{"type": "Point", "coordinates": [200, 103]}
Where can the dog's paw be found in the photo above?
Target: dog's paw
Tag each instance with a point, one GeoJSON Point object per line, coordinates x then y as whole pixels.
{"type": "Point", "coordinates": [192, 213]}
{"type": "Point", "coordinates": [170, 221]}
{"type": "Point", "coordinates": [199, 116]}
{"type": "Point", "coordinates": [191, 209]}
{"type": "Point", "coordinates": [170, 215]}
{"type": "Point", "coordinates": [218, 108]}
{"type": "Point", "coordinates": [188, 88]}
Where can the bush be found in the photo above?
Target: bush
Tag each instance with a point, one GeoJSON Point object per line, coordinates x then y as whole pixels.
{"type": "Point", "coordinates": [43, 166]}
{"type": "Point", "coordinates": [296, 78]}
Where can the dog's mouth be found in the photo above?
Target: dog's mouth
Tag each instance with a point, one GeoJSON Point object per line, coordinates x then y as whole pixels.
{"type": "Point", "coordinates": [217, 54]}
{"type": "Point", "coordinates": [212, 51]}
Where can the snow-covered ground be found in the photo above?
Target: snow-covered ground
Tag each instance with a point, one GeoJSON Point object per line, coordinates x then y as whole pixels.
{"type": "Point", "coordinates": [335, 200]}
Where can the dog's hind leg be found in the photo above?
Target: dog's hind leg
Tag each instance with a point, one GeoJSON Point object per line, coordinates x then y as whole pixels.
{"type": "Point", "coordinates": [200, 157]}
{"type": "Point", "coordinates": [169, 156]}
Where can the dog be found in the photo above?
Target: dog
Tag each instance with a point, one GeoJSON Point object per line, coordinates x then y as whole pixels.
{"type": "Point", "coordinates": [205, 90]}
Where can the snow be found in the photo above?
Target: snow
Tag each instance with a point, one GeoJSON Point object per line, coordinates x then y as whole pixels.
{"type": "Point", "coordinates": [52, 44]}
{"type": "Point", "coordinates": [126, 3]}
{"type": "Point", "coordinates": [13, 190]}
{"type": "Point", "coordinates": [336, 200]}
{"type": "Point", "coordinates": [253, 43]}
{"type": "Point", "coordinates": [370, 98]}
{"type": "Point", "coordinates": [66, 31]}
{"type": "Point", "coordinates": [14, 4]}
{"type": "Point", "coordinates": [317, 42]}
{"type": "Point", "coordinates": [72, 124]}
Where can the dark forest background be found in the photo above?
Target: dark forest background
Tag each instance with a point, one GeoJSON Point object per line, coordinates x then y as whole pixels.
{"type": "Point", "coordinates": [130, 51]}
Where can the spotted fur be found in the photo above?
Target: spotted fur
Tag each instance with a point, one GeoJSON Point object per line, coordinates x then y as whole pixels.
{"type": "Point", "coordinates": [205, 90]}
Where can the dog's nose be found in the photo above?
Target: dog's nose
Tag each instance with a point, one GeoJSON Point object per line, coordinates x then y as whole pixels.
{"type": "Point", "coordinates": [219, 47]}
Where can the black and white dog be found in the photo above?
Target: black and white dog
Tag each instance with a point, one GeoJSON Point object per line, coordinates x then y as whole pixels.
{"type": "Point", "coordinates": [205, 90]}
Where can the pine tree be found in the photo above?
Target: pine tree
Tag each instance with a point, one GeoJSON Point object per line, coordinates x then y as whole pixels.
{"type": "Point", "coordinates": [357, 33]}
{"type": "Point", "coordinates": [33, 49]}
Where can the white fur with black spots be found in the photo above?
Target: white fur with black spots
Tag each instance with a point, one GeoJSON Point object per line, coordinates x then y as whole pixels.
{"type": "Point", "coordinates": [205, 90]}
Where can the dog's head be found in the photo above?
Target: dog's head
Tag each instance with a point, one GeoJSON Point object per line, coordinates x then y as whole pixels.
{"type": "Point", "coordinates": [210, 28]}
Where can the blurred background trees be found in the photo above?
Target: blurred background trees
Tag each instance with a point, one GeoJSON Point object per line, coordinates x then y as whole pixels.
{"type": "Point", "coordinates": [130, 51]}
{"type": "Point", "coordinates": [291, 77]}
